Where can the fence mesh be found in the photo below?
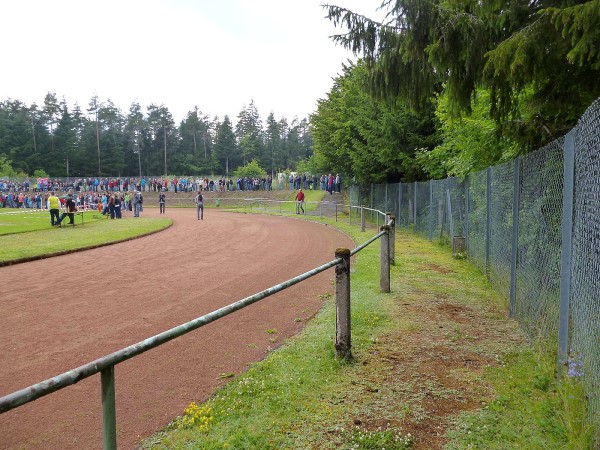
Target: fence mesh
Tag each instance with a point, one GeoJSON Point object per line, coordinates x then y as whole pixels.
{"type": "Point", "coordinates": [540, 241]}
{"type": "Point", "coordinates": [456, 189]}
{"type": "Point", "coordinates": [476, 239]}
{"type": "Point", "coordinates": [501, 221]}
{"type": "Point", "coordinates": [481, 210]}
{"type": "Point", "coordinates": [585, 284]}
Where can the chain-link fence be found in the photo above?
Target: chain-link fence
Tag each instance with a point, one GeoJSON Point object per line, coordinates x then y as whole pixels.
{"type": "Point", "coordinates": [532, 225]}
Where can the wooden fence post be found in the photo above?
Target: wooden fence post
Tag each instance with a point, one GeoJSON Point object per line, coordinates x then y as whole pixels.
{"type": "Point", "coordinates": [384, 260]}
{"type": "Point", "coordinates": [343, 341]}
{"type": "Point", "coordinates": [362, 219]}
{"type": "Point", "coordinates": [392, 224]}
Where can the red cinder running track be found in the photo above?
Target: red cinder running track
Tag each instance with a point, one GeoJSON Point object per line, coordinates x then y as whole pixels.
{"type": "Point", "coordinates": [59, 313]}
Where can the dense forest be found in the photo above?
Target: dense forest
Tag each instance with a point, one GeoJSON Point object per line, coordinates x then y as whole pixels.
{"type": "Point", "coordinates": [101, 140]}
{"type": "Point", "coordinates": [440, 87]}
{"type": "Point", "coordinates": [447, 87]}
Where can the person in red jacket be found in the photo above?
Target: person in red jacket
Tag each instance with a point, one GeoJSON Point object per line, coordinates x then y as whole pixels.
{"type": "Point", "coordinates": [300, 202]}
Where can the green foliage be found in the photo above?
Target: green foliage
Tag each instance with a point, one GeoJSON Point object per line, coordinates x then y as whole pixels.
{"type": "Point", "coordinates": [39, 173]}
{"type": "Point", "coordinates": [251, 170]}
{"type": "Point", "coordinates": [458, 47]}
{"type": "Point", "coordinates": [359, 136]}
{"type": "Point", "coordinates": [469, 143]}
{"type": "Point", "coordinates": [6, 169]}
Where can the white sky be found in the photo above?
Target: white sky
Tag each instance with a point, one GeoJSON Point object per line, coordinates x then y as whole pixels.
{"type": "Point", "coordinates": [215, 54]}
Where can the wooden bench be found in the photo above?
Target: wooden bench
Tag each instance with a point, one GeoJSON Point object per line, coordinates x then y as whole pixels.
{"type": "Point", "coordinates": [75, 213]}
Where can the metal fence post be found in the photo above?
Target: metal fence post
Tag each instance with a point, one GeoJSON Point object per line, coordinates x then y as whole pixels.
{"type": "Point", "coordinates": [371, 202]}
{"type": "Point", "coordinates": [567, 233]}
{"type": "Point", "coordinates": [384, 260]}
{"type": "Point", "coordinates": [385, 208]}
{"type": "Point", "coordinates": [415, 203]}
{"type": "Point", "coordinates": [343, 341]}
{"type": "Point", "coordinates": [362, 219]}
{"type": "Point", "coordinates": [400, 202]}
{"type": "Point", "coordinates": [392, 224]}
{"type": "Point", "coordinates": [450, 220]}
{"type": "Point", "coordinates": [430, 210]}
{"type": "Point", "coordinates": [515, 236]}
{"type": "Point", "coordinates": [467, 213]}
{"type": "Point", "coordinates": [109, 416]}
{"type": "Point", "coordinates": [488, 219]}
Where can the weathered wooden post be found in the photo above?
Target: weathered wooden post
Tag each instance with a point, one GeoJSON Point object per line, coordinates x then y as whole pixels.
{"type": "Point", "coordinates": [392, 224]}
{"type": "Point", "coordinates": [343, 342]}
{"type": "Point", "coordinates": [362, 219]}
{"type": "Point", "coordinates": [384, 260]}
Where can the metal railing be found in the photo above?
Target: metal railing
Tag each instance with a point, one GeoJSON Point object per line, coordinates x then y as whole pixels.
{"type": "Point", "coordinates": [106, 364]}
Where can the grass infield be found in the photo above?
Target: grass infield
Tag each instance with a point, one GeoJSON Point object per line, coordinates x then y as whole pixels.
{"type": "Point", "coordinates": [26, 235]}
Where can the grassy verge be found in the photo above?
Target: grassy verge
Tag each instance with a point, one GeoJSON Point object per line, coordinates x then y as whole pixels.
{"type": "Point", "coordinates": [437, 364]}
{"type": "Point", "coordinates": [36, 238]}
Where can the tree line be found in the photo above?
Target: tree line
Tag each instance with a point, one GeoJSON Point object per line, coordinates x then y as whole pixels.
{"type": "Point", "coordinates": [103, 141]}
{"type": "Point", "coordinates": [445, 87]}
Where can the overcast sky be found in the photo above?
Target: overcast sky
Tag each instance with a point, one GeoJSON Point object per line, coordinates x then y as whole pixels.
{"type": "Point", "coordinates": [215, 54]}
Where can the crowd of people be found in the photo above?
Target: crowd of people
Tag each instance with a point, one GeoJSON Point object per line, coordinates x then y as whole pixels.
{"type": "Point", "coordinates": [90, 192]}
{"type": "Point", "coordinates": [112, 203]}
{"type": "Point", "coordinates": [293, 181]}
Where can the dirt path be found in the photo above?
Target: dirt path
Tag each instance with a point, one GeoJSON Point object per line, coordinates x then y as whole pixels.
{"type": "Point", "coordinates": [59, 313]}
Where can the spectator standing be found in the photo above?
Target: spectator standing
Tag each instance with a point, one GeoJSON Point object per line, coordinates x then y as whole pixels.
{"type": "Point", "coordinates": [161, 202]}
{"type": "Point", "coordinates": [300, 202]}
{"type": "Point", "coordinates": [137, 204]}
{"type": "Point", "coordinates": [54, 207]}
{"type": "Point", "coordinates": [111, 206]}
{"type": "Point", "coordinates": [118, 204]}
{"type": "Point", "coordinates": [199, 205]}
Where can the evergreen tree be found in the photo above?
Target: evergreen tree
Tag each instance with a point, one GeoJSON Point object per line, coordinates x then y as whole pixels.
{"type": "Point", "coordinates": [133, 140]}
{"type": "Point", "coordinates": [93, 109]}
{"type": "Point", "coordinates": [507, 46]}
{"type": "Point", "coordinates": [226, 148]}
{"type": "Point", "coordinates": [362, 137]}
{"type": "Point", "coordinates": [273, 145]}
{"type": "Point", "coordinates": [196, 144]}
{"type": "Point", "coordinates": [112, 139]}
{"type": "Point", "coordinates": [163, 141]}
{"type": "Point", "coordinates": [248, 132]}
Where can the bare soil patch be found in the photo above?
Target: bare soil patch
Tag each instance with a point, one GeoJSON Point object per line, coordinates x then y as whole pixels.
{"type": "Point", "coordinates": [420, 376]}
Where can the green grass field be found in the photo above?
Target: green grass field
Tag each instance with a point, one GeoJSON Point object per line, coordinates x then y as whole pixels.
{"type": "Point", "coordinates": [26, 235]}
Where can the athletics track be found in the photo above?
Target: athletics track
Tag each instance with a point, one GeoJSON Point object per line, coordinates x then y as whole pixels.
{"type": "Point", "coordinates": [62, 312]}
